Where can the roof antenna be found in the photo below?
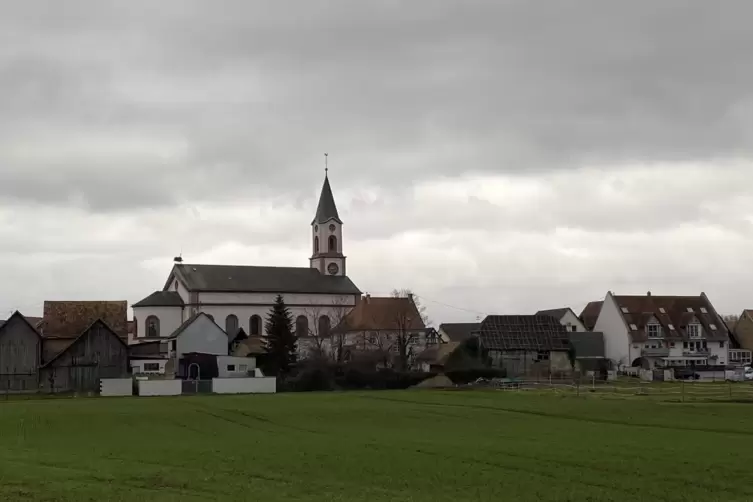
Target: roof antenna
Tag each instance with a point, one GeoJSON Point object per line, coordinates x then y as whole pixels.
{"type": "Point", "coordinates": [325, 164]}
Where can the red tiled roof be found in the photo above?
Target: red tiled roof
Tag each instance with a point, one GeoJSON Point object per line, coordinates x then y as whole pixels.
{"type": "Point", "coordinates": [69, 319]}
{"type": "Point", "coordinates": [383, 313]}
{"type": "Point", "coordinates": [590, 314]}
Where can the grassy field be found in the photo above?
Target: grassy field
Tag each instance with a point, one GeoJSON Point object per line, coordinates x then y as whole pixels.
{"type": "Point", "coordinates": [401, 446]}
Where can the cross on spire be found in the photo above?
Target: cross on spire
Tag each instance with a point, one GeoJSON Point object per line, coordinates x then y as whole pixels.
{"type": "Point", "coordinates": [325, 164]}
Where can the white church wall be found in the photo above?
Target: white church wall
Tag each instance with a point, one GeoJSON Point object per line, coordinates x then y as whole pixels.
{"type": "Point", "coordinates": [291, 299]}
{"type": "Point", "coordinates": [170, 319]}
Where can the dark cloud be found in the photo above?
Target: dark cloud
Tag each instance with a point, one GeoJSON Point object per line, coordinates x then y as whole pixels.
{"type": "Point", "coordinates": [202, 125]}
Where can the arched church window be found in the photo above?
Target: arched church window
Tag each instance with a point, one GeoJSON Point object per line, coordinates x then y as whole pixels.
{"type": "Point", "coordinates": [231, 325]}
{"type": "Point", "coordinates": [332, 243]}
{"type": "Point", "coordinates": [152, 326]}
{"type": "Point", "coordinates": [316, 244]}
{"type": "Point", "coordinates": [324, 325]}
{"type": "Point", "coordinates": [254, 325]}
{"type": "Point", "coordinates": [301, 326]}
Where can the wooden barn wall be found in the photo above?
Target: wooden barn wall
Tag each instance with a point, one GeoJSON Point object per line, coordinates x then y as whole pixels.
{"type": "Point", "coordinates": [98, 354]}
{"type": "Point", "coordinates": [19, 357]}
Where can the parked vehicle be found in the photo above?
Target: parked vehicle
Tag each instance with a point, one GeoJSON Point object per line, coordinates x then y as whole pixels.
{"type": "Point", "coordinates": [686, 374]}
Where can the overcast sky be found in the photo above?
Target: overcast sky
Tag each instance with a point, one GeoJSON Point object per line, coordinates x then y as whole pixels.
{"type": "Point", "coordinates": [493, 156]}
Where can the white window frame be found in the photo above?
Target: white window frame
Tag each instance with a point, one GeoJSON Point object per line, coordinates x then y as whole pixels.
{"type": "Point", "coordinates": [657, 329]}
{"type": "Point", "coordinates": [694, 330]}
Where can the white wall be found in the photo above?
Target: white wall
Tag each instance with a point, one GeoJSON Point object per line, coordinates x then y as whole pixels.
{"type": "Point", "coordinates": [570, 319]}
{"type": "Point", "coordinates": [204, 336]}
{"type": "Point", "coordinates": [223, 362]}
{"type": "Point", "coordinates": [264, 385]}
{"type": "Point", "coordinates": [116, 387]}
{"type": "Point", "coordinates": [137, 366]}
{"type": "Point", "coordinates": [616, 337]}
{"type": "Point", "coordinates": [170, 319]}
{"type": "Point", "coordinates": [160, 387]}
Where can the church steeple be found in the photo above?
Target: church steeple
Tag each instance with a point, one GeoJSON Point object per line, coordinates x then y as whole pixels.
{"type": "Point", "coordinates": [326, 235]}
{"type": "Point", "coordinates": [326, 210]}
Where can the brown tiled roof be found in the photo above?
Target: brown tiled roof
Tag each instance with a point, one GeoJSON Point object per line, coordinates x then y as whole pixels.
{"type": "Point", "coordinates": [590, 314]}
{"type": "Point", "coordinates": [678, 311]}
{"type": "Point", "coordinates": [439, 354]}
{"type": "Point", "coordinates": [68, 319]}
{"type": "Point", "coordinates": [97, 323]}
{"type": "Point", "coordinates": [383, 313]}
{"type": "Point", "coordinates": [252, 345]}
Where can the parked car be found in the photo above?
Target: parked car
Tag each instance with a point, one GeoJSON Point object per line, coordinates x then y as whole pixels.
{"type": "Point", "coordinates": [686, 374]}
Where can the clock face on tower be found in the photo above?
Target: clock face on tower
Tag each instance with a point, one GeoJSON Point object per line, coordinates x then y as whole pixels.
{"type": "Point", "coordinates": [333, 269]}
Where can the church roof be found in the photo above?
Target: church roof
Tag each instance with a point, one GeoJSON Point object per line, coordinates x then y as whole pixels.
{"type": "Point", "coordinates": [161, 299]}
{"type": "Point", "coordinates": [326, 210]}
{"type": "Point", "coordinates": [251, 279]}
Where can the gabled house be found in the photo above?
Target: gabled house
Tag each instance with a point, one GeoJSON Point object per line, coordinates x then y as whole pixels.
{"type": "Point", "coordinates": [392, 326]}
{"type": "Point", "coordinates": [526, 344]}
{"type": "Point", "coordinates": [20, 354]}
{"type": "Point", "coordinates": [743, 333]}
{"type": "Point", "coordinates": [199, 334]}
{"type": "Point", "coordinates": [98, 352]}
{"type": "Point", "coordinates": [590, 314]}
{"type": "Point", "coordinates": [662, 331]}
{"type": "Point", "coordinates": [458, 331]}
{"type": "Point", "coordinates": [566, 317]}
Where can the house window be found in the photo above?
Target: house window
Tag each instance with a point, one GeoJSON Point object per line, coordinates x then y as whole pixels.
{"type": "Point", "coordinates": [243, 368]}
{"type": "Point", "coordinates": [231, 367]}
{"type": "Point", "coordinates": [672, 344]}
{"type": "Point", "coordinates": [152, 326]}
{"type": "Point", "coordinates": [684, 345]}
{"type": "Point", "coordinates": [542, 355]}
{"type": "Point", "coordinates": [301, 326]}
{"type": "Point", "coordinates": [721, 345]}
{"type": "Point", "coordinates": [173, 345]}
{"type": "Point", "coordinates": [231, 325]}
{"type": "Point", "coordinates": [324, 325]}
{"type": "Point", "coordinates": [573, 328]}
{"type": "Point", "coordinates": [255, 325]}
{"type": "Point", "coordinates": [332, 244]}
{"type": "Point", "coordinates": [316, 244]}
{"type": "Point", "coordinates": [151, 367]}
{"type": "Point", "coordinates": [654, 330]}
{"type": "Point", "coordinates": [694, 330]}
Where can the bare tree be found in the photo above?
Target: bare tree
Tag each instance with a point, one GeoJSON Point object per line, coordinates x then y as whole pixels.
{"type": "Point", "coordinates": [319, 348]}
{"type": "Point", "coordinates": [339, 332]}
{"type": "Point", "coordinates": [404, 321]}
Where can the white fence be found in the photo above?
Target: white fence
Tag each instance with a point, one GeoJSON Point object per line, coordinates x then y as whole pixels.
{"type": "Point", "coordinates": [116, 387]}
{"type": "Point", "coordinates": [265, 385]}
{"type": "Point", "coordinates": [160, 387]}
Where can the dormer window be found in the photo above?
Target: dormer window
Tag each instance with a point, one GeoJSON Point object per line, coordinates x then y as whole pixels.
{"type": "Point", "coordinates": [694, 330]}
{"type": "Point", "coordinates": [653, 330]}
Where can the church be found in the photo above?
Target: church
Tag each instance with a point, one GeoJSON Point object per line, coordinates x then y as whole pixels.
{"type": "Point", "coordinates": [240, 297]}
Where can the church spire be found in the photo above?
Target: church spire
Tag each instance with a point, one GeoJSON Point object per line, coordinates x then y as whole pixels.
{"type": "Point", "coordinates": [326, 210]}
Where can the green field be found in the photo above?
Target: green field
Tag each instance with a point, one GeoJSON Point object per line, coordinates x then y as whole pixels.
{"type": "Point", "coordinates": [401, 446]}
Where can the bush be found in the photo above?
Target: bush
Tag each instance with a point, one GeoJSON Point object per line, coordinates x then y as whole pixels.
{"type": "Point", "coordinates": [315, 378]}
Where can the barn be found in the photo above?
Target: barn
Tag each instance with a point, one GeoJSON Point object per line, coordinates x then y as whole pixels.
{"type": "Point", "coordinates": [20, 349]}
{"type": "Point", "coordinates": [96, 353]}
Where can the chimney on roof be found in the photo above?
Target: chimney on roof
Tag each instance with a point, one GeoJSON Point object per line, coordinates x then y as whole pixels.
{"type": "Point", "coordinates": [178, 259]}
{"type": "Point", "coordinates": [410, 296]}
{"type": "Point", "coordinates": [367, 297]}
{"type": "Point", "coordinates": [648, 294]}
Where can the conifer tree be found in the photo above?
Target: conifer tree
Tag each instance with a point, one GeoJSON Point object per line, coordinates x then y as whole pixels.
{"type": "Point", "coordinates": [280, 342]}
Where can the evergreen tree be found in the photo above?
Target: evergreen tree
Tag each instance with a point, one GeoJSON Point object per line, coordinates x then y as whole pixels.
{"type": "Point", "coordinates": [280, 342]}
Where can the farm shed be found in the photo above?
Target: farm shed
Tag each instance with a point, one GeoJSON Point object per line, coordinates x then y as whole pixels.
{"type": "Point", "coordinates": [96, 353]}
{"type": "Point", "coordinates": [20, 349]}
{"type": "Point", "coordinates": [526, 345]}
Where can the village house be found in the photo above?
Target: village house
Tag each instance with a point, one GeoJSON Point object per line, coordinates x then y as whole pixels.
{"type": "Point", "coordinates": [239, 296]}
{"type": "Point", "coordinates": [566, 317]}
{"type": "Point", "coordinates": [391, 328]}
{"type": "Point", "coordinates": [660, 331]}
{"type": "Point", "coordinates": [458, 331]}
{"type": "Point", "coordinates": [743, 334]}
{"type": "Point", "coordinates": [526, 345]}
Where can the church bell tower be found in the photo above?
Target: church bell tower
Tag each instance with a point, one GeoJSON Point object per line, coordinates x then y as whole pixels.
{"type": "Point", "coordinates": [326, 234]}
